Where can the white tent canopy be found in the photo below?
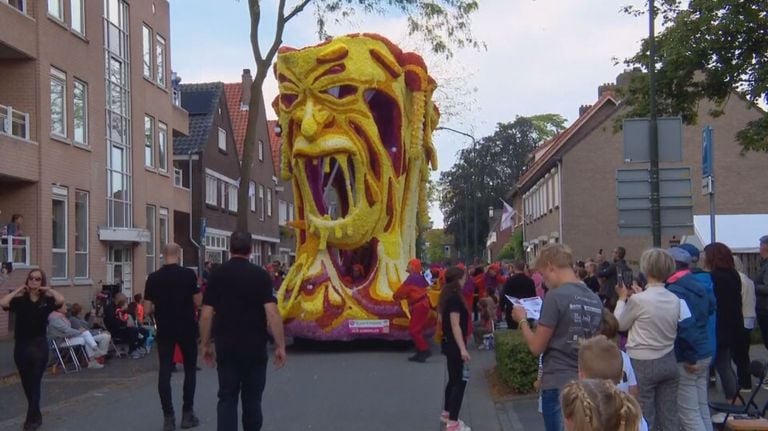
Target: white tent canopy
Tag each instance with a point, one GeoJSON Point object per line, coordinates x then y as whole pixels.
{"type": "Point", "coordinates": [740, 232]}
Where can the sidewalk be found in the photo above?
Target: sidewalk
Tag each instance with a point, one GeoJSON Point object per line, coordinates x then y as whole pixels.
{"type": "Point", "coordinates": [7, 367]}
{"type": "Point", "coordinates": [521, 414]}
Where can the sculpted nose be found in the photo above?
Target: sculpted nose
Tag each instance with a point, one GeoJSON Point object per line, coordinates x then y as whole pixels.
{"type": "Point", "coordinates": [312, 119]}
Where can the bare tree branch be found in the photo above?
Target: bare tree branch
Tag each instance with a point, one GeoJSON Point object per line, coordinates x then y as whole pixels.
{"type": "Point", "coordinates": [297, 10]}
{"type": "Point", "coordinates": [255, 10]}
{"type": "Point", "coordinates": [281, 20]}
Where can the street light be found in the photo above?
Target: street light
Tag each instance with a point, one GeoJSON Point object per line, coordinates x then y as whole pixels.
{"type": "Point", "coordinates": [653, 132]}
{"type": "Point", "coordinates": [466, 201]}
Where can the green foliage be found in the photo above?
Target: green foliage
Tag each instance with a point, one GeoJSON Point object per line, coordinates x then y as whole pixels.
{"type": "Point", "coordinates": [434, 240]}
{"type": "Point", "coordinates": [513, 250]}
{"type": "Point", "coordinates": [516, 365]}
{"type": "Point", "coordinates": [707, 50]}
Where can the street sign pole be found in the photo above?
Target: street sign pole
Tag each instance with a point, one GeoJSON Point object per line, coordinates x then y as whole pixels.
{"type": "Point", "coordinates": [654, 134]}
{"type": "Point", "coordinates": [708, 177]}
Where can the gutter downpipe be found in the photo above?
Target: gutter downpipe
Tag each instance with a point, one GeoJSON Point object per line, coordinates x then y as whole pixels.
{"type": "Point", "coordinates": [192, 237]}
{"type": "Point", "coordinates": [560, 197]}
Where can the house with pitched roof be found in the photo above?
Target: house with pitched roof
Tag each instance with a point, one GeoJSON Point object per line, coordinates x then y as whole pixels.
{"type": "Point", "coordinates": [207, 162]}
{"type": "Point", "coordinates": [568, 193]}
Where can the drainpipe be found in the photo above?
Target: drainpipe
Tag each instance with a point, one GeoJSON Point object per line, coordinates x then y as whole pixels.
{"type": "Point", "coordinates": [560, 197]}
{"type": "Point", "coordinates": [525, 249]}
{"type": "Point", "coordinates": [191, 236]}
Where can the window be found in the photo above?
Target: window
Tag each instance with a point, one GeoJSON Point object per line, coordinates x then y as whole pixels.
{"type": "Point", "coordinates": [211, 197]}
{"type": "Point", "coordinates": [223, 187]}
{"type": "Point", "coordinates": [557, 189]}
{"type": "Point", "coordinates": [149, 141]}
{"type": "Point", "coordinates": [232, 197]}
{"type": "Point", "coordinates": [80, 112]}
{"type": "Point", "coordinates": [269, 202]}
{"type": "Point", "coordinates": [163, 227]}
{"type": "Point", "coordinates": [58, 102]}
{"type": "Point", "coordinates": [56, 9]}
{"type": "Point", "coordinates": [290, 212]}
{"type": "Point", "coordinates": [77, 15]}
{"type": "Point", "coordinates": [20, 5]}
{"type": "Point", "coordinates": [252, 196]}
{"type": "Point", "coordinates": [261, 202]}
{"type": "Point", "coordinates": [152, 244]}
{"type": "Point", "coordinates": [162, 146]}
{"type": "Point", "coordinates": [261, 151]}
{"type": "Point", "coordinates": [147, 50]}
{"type": "Point", "coordinates": [178, 178]}
{"type": "Point", "coordinates": [282, 212]}
{"type": "Point", "coordinates": [160, 60]}
{"type": "Point", "coordinates": [59, 232]}
{"type": "Point", "coordinates": [81, 234]}
{"type": "Point", "coordinates": [222, 139]}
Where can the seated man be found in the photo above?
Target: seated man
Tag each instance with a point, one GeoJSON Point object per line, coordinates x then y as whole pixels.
{"type": "Point", "coordinates": [117, 322]}
{"type": "Point", "coordinates": [96, 346]}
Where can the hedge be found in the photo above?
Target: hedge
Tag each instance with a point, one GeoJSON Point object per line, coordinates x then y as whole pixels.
{"type": "Point", "coordinates": [516, 366]}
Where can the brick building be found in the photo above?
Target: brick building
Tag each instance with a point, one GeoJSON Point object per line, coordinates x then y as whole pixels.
{"type": "Point", "coordinates": [569, 190]}
{"type": "Point", "coordinates": [86, 128]}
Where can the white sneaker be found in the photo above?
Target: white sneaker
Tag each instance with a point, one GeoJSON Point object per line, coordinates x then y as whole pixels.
{"type": "Point", "coordinates": [718, 418]}
{"type": "Point", "coordinates": [457, 426]}
{"type": "Point", "coordinates": [95, 365]}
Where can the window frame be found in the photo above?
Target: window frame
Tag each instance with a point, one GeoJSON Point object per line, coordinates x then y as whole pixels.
{"type": "Point", "coordinates": [151, 246]}
{"type": "Point", "coordinates": [261, 202]}
{"type": "Point", "coordinates": [60, 16]}
{"type": "Point", "coordinates": [60, 194]}
{"type": "Point", "coordinates": [147, 52]}
{"type": "Point", "coordinates": [162, 147]}
{"type": "Point", "coordinates": [222, 142]}
{"type": "Point", "coordinates": [282, 212]}
{"type": "Point", "coordinates": [231, 193]}
{"type": "Point", "coordinates": [252, 196]}
{"type": "Point", "coordinates": [163, 233]}
{"type": "Point", "coordinates": [269, 202]}
{"type": "Point", "coordinates": [84, 88]}
{"type": "Point", "coordinates": [85, 252]}
{"type": "Point", "coordinates": [59, 77]}
{"type": "Point", "coordinates": [81, 11]}
{"type": "Point", "coordinates": [161, 48]}
{"type": "Point", "coordinates": [149, 141]}
{"type": "Point", "coordinates": [261, 150]}
{"type": "Point", "coordinates": [211, 190]}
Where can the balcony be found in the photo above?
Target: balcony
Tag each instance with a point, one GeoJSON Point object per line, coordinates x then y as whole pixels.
{"type": "Point", "coordinates": [21, 155]}
{"type": "Point", "coordinates": [15, 249]}
{"type": "Point", "coordinates": [18, 33]}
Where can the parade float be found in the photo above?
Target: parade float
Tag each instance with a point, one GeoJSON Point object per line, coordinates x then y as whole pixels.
{"type": "Point", "coordinates": [356, 118]}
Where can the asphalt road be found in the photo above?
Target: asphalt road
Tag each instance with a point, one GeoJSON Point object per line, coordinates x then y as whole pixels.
{"type": "Point", "coordinates": [363, 390]}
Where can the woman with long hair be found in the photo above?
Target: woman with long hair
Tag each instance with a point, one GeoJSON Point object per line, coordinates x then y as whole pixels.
{"type": "Point", "coordinates": [32, 303]}
{"type": "Point", "coordinates": [598, 405]}
{"type": "Point", "coordinates": [729, 323]}
{"type": "Point", "coordinates": [454, 317]}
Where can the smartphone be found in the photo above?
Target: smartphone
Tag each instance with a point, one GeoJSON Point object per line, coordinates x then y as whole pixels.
{"type": "Point", "coordinates": [627, 276]}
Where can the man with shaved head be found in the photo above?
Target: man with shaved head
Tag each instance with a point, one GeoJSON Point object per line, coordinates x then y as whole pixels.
{"type": "Point", "coordinates": [173, 295]}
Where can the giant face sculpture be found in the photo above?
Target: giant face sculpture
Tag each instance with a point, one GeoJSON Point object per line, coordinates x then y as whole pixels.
{"type": "Point", "coordinates": [356, 118]}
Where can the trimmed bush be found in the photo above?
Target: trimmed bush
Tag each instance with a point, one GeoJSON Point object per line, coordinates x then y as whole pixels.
{"type": "Point", "coordinates": [515, 364]}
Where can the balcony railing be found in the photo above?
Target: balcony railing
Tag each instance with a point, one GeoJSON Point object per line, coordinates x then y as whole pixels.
{"type": "Point", "coordinates": [20, 5]}
{"type": "Point", "coordinates": [15, 249]}
{"type": "Point", "coordinates": [14, 122]}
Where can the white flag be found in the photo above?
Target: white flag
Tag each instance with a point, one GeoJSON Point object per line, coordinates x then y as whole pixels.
{"type": "Point", "coordinates": [507, 216]}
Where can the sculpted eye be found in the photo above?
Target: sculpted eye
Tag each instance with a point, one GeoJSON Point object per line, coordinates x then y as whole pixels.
{"type": "Point", "coordinates": [341, 91]}
{"type": "Point", "coordinates": [288, 99]}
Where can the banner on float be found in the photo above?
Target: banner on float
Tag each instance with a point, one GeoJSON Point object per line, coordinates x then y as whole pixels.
{"type": "Point", "coordinates": [374, 327]}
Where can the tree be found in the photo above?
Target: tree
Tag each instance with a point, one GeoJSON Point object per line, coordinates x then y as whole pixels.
{"type": "Point", "coordinates": [441, 23]}
{"type": "Point", "coordinates": [708, 50]}
{"type": "Point", "coordinates": [436, 240]}
{"type": "Point", "coordinates": [487, 172]}
{"type": "Point", "coordinates": [513, 250]}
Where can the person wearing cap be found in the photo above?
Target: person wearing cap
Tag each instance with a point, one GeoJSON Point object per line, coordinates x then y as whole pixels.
{"type": "Point", "coordinates": [694, 346]}
{"type": "Point", "coordinates": [414, 291]}
{"type": "Point", "coordinates": [761, 290]}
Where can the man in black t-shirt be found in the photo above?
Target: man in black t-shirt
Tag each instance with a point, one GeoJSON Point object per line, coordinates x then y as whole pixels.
{"type": "Point", "coordinates": [240, 295]}
{"type": "Point", "coordinates": [173, 296]}
{"type": "Point", "coordinates": [518, 286]}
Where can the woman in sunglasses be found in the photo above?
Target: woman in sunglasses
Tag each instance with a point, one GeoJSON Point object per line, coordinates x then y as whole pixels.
{"type": "Point", "coordinates": [32, 303]}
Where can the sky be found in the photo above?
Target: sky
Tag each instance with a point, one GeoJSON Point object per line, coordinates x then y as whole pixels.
{"type": "Point", "coordinates": [541, 56]}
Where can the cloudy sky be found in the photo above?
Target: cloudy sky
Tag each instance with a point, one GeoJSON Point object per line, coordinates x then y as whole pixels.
{"type": "Point", "coordinates": [542, 56]}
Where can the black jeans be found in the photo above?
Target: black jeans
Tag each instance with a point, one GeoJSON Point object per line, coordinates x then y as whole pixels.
{"type": "Point", "coordinates": [240, 377]}
{"type": "Point", "coordinates": [762, 321]}
{"type": "Point", "coordinates": [725, 371]}
{"type": "Point", "coordinates": [454, 390]}
{"type": "Point", "coordinates": [31, 357]}
{"type": "Point", "coordinates": [165, 347]}
{"type": "Point", "coordinates": [740, 353]}
{"type": "Point", "coordinates": [129, 335]}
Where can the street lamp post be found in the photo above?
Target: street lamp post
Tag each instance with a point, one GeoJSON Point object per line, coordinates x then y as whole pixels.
{"type": "Point", "coordinates": [654, 135]}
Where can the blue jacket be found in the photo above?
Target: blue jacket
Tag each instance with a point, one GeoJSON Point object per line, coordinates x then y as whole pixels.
{"type": "Point", "coordinates": [706, 279]}
{"type": "Point", "coordinates": [694, 336]}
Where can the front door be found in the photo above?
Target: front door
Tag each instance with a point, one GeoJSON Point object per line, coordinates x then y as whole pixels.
{"type": "Point", "coordinates": [120, 269]}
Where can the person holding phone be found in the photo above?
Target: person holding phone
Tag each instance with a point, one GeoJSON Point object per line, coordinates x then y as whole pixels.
{"type": "Point", "coordinates": [32, 303]}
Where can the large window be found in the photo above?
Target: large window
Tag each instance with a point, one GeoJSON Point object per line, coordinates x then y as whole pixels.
{"type": "Point", "coordinates": [58, 102]}
{"type": "Point", "coordinates": [77, 15]}
{"type": "Point", "coordinates": [252, 196]}
{"type": "Point", "coordinates": [261, 151]}
{"type": "Point", "coordinates": [163, 227]}
{"type": "Point", "coordinates": [59, 232]}
{"type": "Point", "coordinates": [160, 60]}
{"type": "Point", "coordinates": [211, 188]}
{"type": "Point", "coordinates": [269, 202]}
{"type": "Point", "coordinates": [147, 51]}
{"type": "Point", "coordinates": [56, 9]}
{"type": "Point", "coordinates": [282, 212]}
{"type": "Point", "coordinates": [152, 244]}
{"type": "Point", "coordinates": [232, 197]}
{"type": "Point", "coordinates": [222, 139]}
{"type": "Point", "coordinates": [162, 146]}
{"type": "Point", "coordinates": [80, 112]}
{"type": "Point", "coordinates": [81, 234]}
{"type": "Point", "coordinates": [149, 141]}
{"type": "Point", "coordinates": [261, 202]}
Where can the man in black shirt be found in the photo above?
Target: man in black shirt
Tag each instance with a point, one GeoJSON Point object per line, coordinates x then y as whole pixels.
{"type": "Point", "coordinates": [240, 295]}
{"type": "Point", "coordinates": [173, 296]}
{"type": "Point", "coordinates": [518, 286]}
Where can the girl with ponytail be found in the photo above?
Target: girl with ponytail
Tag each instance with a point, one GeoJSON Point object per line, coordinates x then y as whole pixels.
{"type": "Point", "coordinates": [598, 405]}
{"type": "Point", "coordinates": [454, 316]}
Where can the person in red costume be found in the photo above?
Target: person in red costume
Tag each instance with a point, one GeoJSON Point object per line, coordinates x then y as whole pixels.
{"type": "Point", "coordinates": [414, 290]}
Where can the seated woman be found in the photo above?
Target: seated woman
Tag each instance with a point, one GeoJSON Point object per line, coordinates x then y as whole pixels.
{"type": "Point", "coordinates": [95, 345]}
{"type": "Point", "coordinates": [76, 317]}
{"type": "Point", "coordinates": [117, 322]}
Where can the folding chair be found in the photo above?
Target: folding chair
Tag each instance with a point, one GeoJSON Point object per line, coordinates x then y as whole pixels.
{"type": "Point", "coordinates": [748, 408]}
{"type": "Point", "coordinates": [64, 353]}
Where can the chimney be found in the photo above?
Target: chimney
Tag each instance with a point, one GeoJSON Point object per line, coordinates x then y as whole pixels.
{"type": "Point", "coordinates": [246, 82]}
{"type": "Point", "coordinates": [583, 109]}
{"type": "Point", "coordinates": [625, 78]}
{"type": "Point", "coordinates": [606, 89]}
